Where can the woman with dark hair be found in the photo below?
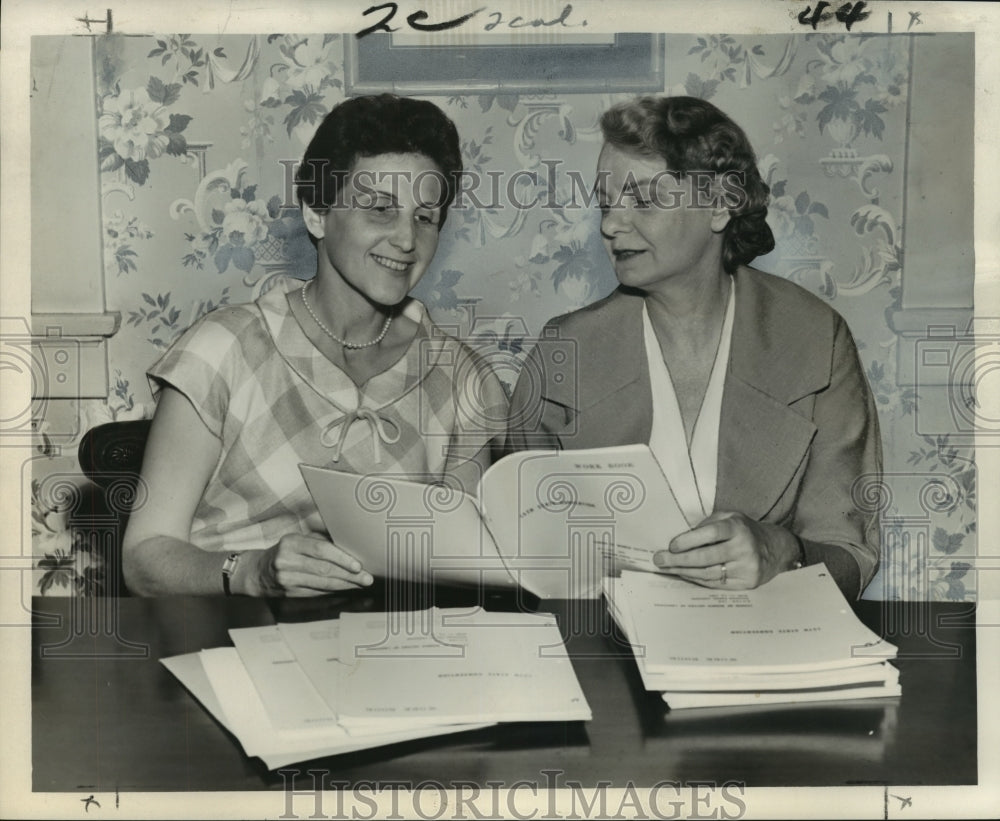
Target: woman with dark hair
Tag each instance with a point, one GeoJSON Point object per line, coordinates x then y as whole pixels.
{"type": "Point", "coordinates": [343, 370]}
{"type": "Point", "coordinates": [747, 388]}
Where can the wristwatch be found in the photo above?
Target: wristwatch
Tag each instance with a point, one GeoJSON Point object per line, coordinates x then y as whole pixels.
{"type": "Point", "coordinates": [228, 568]}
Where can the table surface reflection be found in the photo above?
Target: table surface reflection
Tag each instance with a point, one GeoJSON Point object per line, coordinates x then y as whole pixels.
{"type": "Point", "coordinates": [106, 715]}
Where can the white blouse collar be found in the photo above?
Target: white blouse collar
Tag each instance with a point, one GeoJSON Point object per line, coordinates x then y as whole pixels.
{"type": "Point", "coordinates": [693, 473]}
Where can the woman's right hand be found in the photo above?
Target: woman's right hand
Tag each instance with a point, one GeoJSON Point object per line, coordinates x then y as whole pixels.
{"type": "Point", "coordinates": [299, 565]}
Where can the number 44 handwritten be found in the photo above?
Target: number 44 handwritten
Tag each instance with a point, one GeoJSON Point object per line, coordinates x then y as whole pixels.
{"type": "Point", "coordinates": [848, 14]}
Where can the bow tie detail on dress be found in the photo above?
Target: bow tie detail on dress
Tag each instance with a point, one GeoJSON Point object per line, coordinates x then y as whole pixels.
{"type": "Point", "coordinates": [377, 426]}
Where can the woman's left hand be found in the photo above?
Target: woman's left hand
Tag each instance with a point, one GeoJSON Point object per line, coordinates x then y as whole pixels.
{"type": "Point", "coordinates": [729, 550]}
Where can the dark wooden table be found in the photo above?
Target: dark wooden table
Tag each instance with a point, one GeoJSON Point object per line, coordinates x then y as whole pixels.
{"type": "Point", "coordinates": [107, 716]}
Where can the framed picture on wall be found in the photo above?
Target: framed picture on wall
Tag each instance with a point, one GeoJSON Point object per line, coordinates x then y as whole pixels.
{"type": "Point", "coordinates": [587, 63]}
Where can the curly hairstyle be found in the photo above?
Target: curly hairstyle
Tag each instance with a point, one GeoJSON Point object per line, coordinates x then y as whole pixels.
{"type": "Point", "coordinates": [693, 135]}
{"type": "Point", "coordinates": [368, 127]}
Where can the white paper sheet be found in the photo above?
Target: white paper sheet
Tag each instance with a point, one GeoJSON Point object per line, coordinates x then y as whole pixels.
{"type": "Point", "coordinates": [797, 622]}
{"type": "Point", "coordinates": [288, 695]}
{"type": "Point", "coordinates": [688, 700]}
{"type": "Point", "coordinates": [501, 667]}
{"type": "Point", "coordinates": [190, 672]}
{"type": "Point", "coordinates": [246, 716]}
{"type": "Point", "coordinates": [316, 646]}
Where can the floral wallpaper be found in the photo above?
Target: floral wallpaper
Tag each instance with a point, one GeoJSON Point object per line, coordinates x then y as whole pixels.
{"type": "Point", "coordinates": [198, 135]}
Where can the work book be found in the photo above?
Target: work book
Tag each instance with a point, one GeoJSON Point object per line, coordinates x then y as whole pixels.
{"type": "Point", "coordinates": [446, 665]}
{"type": "Point", "coordinates": [553, 522]}
{"type": "Point", "coordinates": [793, 639]}
{"type": "Point", "coordinates": [293, 692]}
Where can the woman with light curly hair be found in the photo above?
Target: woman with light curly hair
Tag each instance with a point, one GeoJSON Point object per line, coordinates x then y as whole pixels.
{"type": "Point", "coordinates": [747, 388]}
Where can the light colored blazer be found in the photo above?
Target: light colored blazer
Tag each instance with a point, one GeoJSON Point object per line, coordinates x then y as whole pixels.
{"type": "Point", "coordinates": [798, 435]}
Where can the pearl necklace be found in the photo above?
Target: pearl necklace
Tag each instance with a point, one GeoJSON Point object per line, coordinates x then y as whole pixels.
{"type": "Point", "coordinates": [352, 345]}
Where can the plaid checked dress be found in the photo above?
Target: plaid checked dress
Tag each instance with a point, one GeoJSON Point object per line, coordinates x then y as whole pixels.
{"type": "Point", "coordinates": [274, 401]}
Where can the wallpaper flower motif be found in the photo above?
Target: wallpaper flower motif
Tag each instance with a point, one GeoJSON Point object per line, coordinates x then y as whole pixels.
{"type": "Point", "coordinates": [164, 320]}
{"type": "Point", "coordinates": [571, 241]}
{"type": "Point", "coordinates": [187, 58]}
{"type": "Point", "coordinates": [68, 561]}
{"type": "Point", "coordinates": [257, 128]}
{"type": "Point", "coordinates": [235, 228]}
{"type": "Point", "coordinates": [135, 127]}
{"type": "Point", "coordinates": [119, 234]}
{"type": "Point", "coordinates": [791, 121]}
{"type": "Point", "coordinates": [857, 80]}
{"type": "Point", "coordinates": [236, 232]}
{"type": "Point", "coordinates": [300, 79]}
{"type": "Point", "coordinates": [727, 58]}
{"type": "Point", "coordinates": [880, 263]}
{"type": "Point", "coordinates": [943, 564]}
{"type": "Point", "coordinates": [793, 216]}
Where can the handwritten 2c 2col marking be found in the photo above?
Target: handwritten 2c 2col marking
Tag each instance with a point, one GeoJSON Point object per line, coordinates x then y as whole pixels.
{"type": "Point", "coordinates": [496, 20]}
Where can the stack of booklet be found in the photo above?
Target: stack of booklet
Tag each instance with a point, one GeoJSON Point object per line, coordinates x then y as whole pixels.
{"type": "Point", "coordinates": [794, 639]}
{"type": "Point", "coordinates": [293, 692]}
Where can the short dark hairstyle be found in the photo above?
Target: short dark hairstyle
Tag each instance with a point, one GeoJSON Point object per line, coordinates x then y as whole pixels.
{"type": "Point", "coordinates": [693, 135]}
{"type": "Point", "coordinates": [368, 127]}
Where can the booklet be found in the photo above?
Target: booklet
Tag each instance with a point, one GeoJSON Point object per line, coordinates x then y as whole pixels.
{"type": "Point", "coordinates": [797, 622]}
{"type": "Point", "coordinates": [289, 697]}
{"type": "Point", "coordinates": [686, 700]}
{"type": "Point", "coordinates": [794, 639]}
{"type": "Point", "coordinates": [553, 522]}
{"type": "Point", "coordinates": [455, 666]}
{"type": "Point", "coordinates": [219, 680]}
{"type": "Point", "coordinates": [293, 692]}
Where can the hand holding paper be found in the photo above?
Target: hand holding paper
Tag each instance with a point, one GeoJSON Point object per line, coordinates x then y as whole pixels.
{"type": "Point", "coordinates": [304, 564]}
{"type": "Point", "coordinates": [753, 552]}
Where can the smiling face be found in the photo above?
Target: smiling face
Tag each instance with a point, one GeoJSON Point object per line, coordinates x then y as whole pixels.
{"type": "Point", "coordinates": [653, 226]}
{"type": "Point", "coordinates": [381, 236]}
